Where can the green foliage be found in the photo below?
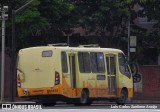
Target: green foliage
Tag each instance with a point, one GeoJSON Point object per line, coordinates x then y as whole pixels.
{"type": "Point", "coordinates": [108, 19]}
{"type": "Point", "coordinates": [30, 20]}
{"type": "Point", "coordinates": [103, 17]}
{"type": "Point", "coordinates": [58, 13]}
{"type": "Point", "coordinates": [152, 10]}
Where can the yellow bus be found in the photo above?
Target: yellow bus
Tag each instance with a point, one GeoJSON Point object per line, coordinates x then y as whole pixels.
{"type": "Point", "coordinates": [73, 74]}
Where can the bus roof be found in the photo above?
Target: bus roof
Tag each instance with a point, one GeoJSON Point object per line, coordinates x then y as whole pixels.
{"type": "Point", "coordinates": [95, 49]}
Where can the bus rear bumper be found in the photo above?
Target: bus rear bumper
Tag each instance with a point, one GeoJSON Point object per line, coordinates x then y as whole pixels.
{"type": "Point", "coordinates": [41, 98]}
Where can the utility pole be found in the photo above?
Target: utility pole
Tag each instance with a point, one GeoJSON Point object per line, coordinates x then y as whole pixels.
{"type": "Point", "coordinates": [4, 17]}
{"type": "Point", "coordinates": [129, 29]}
{"type": "Point", "coordinates": [14, 40]}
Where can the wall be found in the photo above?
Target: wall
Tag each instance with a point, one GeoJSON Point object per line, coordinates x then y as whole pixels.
{"type": "Point", "coordinates": [7, 82]}
{"type": "Point", "coordinates": [7, 76]}
{"type": "Point", "coordinates": [150, 81]}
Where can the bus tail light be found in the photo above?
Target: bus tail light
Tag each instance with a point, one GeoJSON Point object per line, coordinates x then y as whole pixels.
{"type": "Point", "coordinates": [18, 81]}
{"type": "Point", "coordinates": [57, 78]}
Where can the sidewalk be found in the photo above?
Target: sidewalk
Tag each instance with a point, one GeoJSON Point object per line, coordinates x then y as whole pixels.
{"type": "Point", "coordinates": [144, 99]}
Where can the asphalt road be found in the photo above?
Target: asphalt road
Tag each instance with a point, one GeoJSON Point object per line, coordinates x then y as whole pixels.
{"type": "Point", "coordinates": [96, 107]}
{"type": "Point", "coordinates": [104, 106]}
{"type": "Point", "coordinates": [91, 108]}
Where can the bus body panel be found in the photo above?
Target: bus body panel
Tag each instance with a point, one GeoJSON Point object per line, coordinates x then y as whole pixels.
{"type": "Point", "coordinates": [36, 69]}
{"type": "Point", "coordinates": [37, 74]}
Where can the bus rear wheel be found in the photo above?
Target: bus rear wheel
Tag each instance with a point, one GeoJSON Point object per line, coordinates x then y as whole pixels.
{"type": "Point", "coordinates": [123, 98]}
{"type": "Point", "coordinates": [84, 99]}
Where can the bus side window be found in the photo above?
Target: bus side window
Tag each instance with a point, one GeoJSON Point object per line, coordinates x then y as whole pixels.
{"type": "Point", "coordinates": [107, 64]}
{"type": "Point", "coordinates": [112, 65]}
{"type": "Point", "coordinates": [94, 62]}
{"type": "Point", "coordinates": [97, 62]}
{"type": "Point", "coordinates": [100, 62]}
{"type": "Point", "coordinates": [64, 62]}
{"type": "Point", "coordinates": [84, 62]}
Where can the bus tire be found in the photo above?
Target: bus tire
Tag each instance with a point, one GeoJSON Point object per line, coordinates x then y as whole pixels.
{"type": "Point", "coordinates": [123, 98]}
{"type": "Point", "coordinates": [84, 99]}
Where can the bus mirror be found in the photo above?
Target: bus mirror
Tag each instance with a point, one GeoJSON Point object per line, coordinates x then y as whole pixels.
{"type": "Point", "coordinates": [137, 78]}
{"type": "Point", "coordinates": [134, 68]}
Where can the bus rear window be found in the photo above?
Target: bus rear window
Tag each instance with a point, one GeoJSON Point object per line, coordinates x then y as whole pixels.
{"type": "Point", "coordinates": [47, 53]}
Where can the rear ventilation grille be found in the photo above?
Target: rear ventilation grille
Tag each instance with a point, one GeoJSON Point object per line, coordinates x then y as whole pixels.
{"type": "Point", "coordinates": [58, 44]}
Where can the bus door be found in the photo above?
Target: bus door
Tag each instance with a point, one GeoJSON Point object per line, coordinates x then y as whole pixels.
{"type": "Point", "coordinates": [72, 65]}
{"type": "Point", "coordinates": [111, 73]}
